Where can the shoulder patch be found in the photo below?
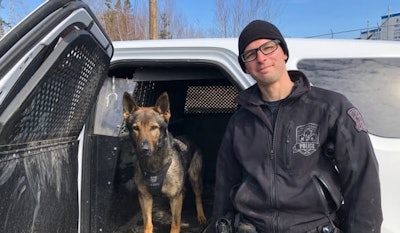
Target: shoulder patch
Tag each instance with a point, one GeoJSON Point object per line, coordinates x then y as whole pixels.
{"type": "Point", "coordinates": [355, 115]}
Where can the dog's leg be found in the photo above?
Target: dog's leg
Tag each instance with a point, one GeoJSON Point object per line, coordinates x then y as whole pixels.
{"type": "Point", "coordinates": [176, 212]}
{"type": "Point", "coordinates": [196, 181]}
{"type": "Point", "coordinates": [199, 203]}
{"type": "Point", "coordinates": [199, 207]}
{"type": "Point", "coordinates": [146, 204]}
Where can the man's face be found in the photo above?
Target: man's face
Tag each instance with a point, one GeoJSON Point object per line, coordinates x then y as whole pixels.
{"type": "Point", "coordinates": [266, 69]}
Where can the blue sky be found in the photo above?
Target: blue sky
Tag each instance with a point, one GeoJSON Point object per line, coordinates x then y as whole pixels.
{"type": "Point", "coordinates": [306, 18]}
{"type": "Point", "coordinates": [295, 18]}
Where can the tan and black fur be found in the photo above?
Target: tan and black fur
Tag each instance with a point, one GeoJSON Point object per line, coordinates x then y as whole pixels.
{"type": "Point", "coordinates": [157, 150]}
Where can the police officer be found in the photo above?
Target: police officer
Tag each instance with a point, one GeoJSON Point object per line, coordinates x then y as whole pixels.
{"type": "Point", "coordinates": [273, 168]}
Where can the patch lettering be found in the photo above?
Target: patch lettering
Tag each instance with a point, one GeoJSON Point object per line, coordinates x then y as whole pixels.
{"type": "Point", "coordinates": [307, 139]}
{"type": "Point", "coordinates": [355, 115]}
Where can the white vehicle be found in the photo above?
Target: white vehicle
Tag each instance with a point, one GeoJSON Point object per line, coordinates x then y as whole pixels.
{"type": "Point", "coordinates": [65, 163]}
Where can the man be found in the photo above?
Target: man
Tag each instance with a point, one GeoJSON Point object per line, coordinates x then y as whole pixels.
{"type": "Point", "coordinates": [294, 158]}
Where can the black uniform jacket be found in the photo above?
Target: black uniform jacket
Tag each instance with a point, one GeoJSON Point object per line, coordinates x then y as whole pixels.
{"type": "Point", "coordinates": [282, 178]}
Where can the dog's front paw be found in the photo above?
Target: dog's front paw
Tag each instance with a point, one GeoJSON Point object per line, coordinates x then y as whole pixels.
{"type": "Point", "coordinates": [202, 219]}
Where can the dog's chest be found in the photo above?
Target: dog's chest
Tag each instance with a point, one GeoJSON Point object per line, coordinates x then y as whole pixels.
{"type": "Point", "coordinates": [155, 179]}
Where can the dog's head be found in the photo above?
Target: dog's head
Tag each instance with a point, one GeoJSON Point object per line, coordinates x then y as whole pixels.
{"type": "Point", "coordinates": [147, 125]}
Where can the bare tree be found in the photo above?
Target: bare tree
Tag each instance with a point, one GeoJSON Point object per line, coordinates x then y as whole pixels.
{"type": "Point", "coordinates": [165, 32]}
{"type": "Point", "coordinates": [173, 24]}
{"type": "Point", "coordinates": [123, 20]}
{"type": "Point", "coordinates": [2, 23]}
{"type": "Point", "coordinates": [232, 15]}
{"type": "Point", "coordinates": [129, 19]}
{"type": "Point", "coordinates": [222, 15]}
{"type": "Point", "coordinates": [16, 11]}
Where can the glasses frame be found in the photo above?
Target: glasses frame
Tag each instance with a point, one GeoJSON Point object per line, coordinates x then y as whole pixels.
{"type": "Point", "coordinates": [276, 42]}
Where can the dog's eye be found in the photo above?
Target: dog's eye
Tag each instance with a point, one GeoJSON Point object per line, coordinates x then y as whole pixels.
{"type": "Point", "coordinates": [154, 127]}
{"type": "Point", "coordinates": [135, 127]}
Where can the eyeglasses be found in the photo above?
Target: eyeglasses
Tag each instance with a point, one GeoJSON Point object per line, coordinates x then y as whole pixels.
{"type": "Point", "coordinates": [266, 48]}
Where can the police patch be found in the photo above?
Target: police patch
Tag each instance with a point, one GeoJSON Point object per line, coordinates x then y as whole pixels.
{"type": "Point", "coordinates": [307, 139]}
{"type": "Point", "coordinates": [355, 115]}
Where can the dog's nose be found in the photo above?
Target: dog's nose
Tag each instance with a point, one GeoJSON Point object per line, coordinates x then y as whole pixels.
{"type": "Point", "coordinates": [145, 146]}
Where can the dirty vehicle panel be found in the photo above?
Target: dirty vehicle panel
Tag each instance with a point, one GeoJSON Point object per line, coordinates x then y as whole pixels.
{"type": "Point", "coordinates": [52, 67]}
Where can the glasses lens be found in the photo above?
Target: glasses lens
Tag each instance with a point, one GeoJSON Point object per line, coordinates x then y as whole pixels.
{"type": "Point", "coordinates": [269, 47]}
{"type": "Point", "coordinates": [249, 55]}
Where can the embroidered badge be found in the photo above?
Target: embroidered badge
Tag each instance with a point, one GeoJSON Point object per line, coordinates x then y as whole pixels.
{"type": "Point", "coordinates": [358, 120]}
{"type": "Point", "coordinates": [307, 139]}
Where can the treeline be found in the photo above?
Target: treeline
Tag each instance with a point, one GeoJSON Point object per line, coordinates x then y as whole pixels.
{"type": "Point", "coordinates": [129, 19]}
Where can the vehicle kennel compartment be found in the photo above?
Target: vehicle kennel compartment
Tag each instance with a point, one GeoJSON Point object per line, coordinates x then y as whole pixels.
{"type": "Point", "coordinates": [201, 100]}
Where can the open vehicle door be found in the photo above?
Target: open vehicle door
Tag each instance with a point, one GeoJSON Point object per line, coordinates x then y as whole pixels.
{"type": "Point", "coordinates": [52, 66]}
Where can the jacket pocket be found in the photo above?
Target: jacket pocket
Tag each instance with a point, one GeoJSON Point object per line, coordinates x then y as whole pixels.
{"type": "Point", "coordinates": [329, 193]}
{"type": "Point", "coordinates": [248, 198]}
{"type": "Point", "coordinates": [287, 155]}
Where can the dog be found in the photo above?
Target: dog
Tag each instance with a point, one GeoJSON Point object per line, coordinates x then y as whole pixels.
{"type": "Point", "coordinates": [163, 162]}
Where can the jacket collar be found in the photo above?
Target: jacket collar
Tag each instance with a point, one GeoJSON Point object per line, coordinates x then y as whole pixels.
{"type": "Point", "coordinates": [252, 96]}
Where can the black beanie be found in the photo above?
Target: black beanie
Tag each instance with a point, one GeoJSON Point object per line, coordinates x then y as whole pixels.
{"type": "Point", "coordinates": [259, 29]}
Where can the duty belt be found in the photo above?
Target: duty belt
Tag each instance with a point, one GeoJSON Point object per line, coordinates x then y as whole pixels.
{"type": "Point", "coordinates": [325, 229]}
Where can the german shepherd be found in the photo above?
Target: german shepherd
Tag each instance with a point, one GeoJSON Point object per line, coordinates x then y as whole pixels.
{"type": "Point", "coordinates": [162, 160]}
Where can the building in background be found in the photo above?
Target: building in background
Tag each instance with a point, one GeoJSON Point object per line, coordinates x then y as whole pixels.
{"type": "Point", "coordinates": [388, 30]}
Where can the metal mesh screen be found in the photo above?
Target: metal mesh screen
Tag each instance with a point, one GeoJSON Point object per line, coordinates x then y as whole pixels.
{"type": "Point", "coordinates": [59, 104]}
{"type": "Point", "coordinates": [144, 93]}
{"type": "Point", "coordinates": [200, 99]}
{"type": "Point", "coordinates": [210, 99]}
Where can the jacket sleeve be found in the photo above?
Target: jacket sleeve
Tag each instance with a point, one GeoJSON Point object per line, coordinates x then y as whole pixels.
{"type": "Point", "coordinates": [228, 174]}
{"type": "Point", "coordinates": [358, 167]}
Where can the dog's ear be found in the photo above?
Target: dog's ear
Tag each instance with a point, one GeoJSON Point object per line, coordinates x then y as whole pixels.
{"type": "Point", "coordinates": [129, 105]}
{"type": "Point", "coordinates": [162, 106]}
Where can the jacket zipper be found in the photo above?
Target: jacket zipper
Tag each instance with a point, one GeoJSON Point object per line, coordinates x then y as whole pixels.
{"type": "Point", "coordinates": [273, 193]}
{"type": "Point", "coordinates": [287, 153]}
{"type": "Point", "coordinates": [275, 227]}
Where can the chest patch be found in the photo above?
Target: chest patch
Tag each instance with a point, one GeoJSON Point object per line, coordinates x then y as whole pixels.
{"type": "Point", "coordinates": [307, 139]}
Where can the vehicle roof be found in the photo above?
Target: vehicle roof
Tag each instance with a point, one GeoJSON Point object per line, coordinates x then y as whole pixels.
{"type": "Point", "coordinates": [299, 48]}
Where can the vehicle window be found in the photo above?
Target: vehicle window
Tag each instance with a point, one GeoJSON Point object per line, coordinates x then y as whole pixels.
{"type": "Point", "coordinates": [108, 118]}
{"type": "Point", "coordinates": [372, 85]}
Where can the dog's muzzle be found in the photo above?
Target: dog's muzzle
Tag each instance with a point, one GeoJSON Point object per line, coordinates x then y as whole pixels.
{"type": "Point", "coordinates": [145, 148]}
